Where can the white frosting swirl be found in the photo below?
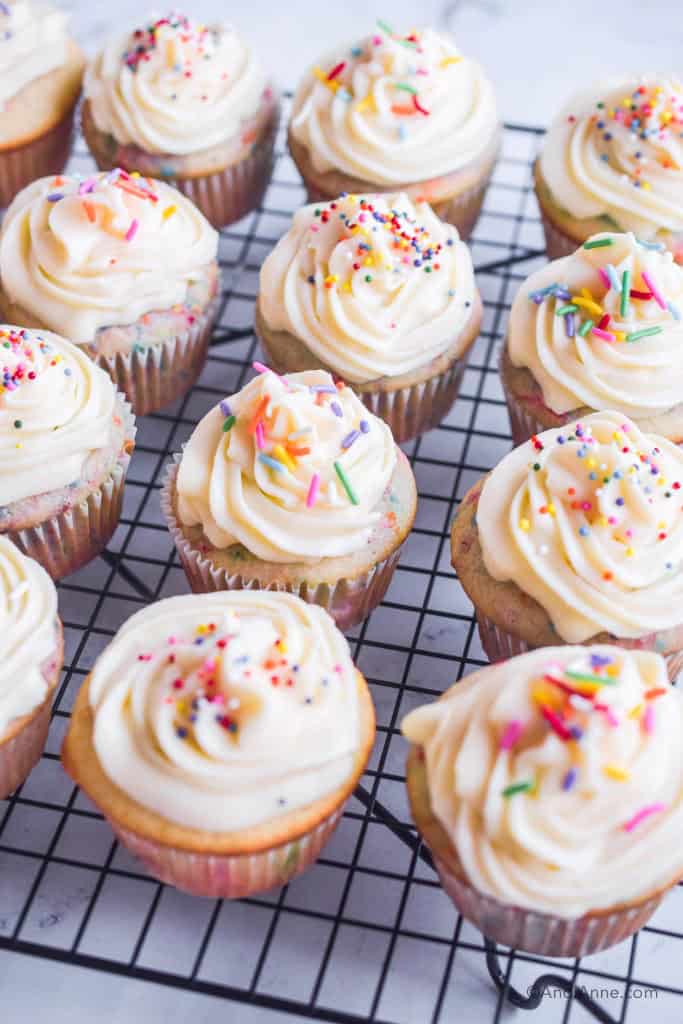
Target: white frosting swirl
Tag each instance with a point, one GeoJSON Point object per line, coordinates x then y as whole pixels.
{"type": "Point", "coordinates": [266, 468]}
{"type": "Point", "coordinates": [394, 110]}
{"type": "Point", "coordinates": [56, 408]}
{"type": "Point", "coordinates": [174, 86]}
{"type": "Point", "coordinates": [33, 42]}
{"type": "Point", "coordinates": [28, 615]}
{"type": "Point", "coordinates": [616, 151]}
{"type": "Point", "coordinates": [223, 711]}
{"type": "Point", "coordinates": [587, 520]}
{"type": "Point", "coordinates": [595, 818]}
{"type": "Point", "coordinates": [640, 374]}
{"type": "Point", "coordinates": [80, 255]}
{"type": "Point", "coordinates": [373, 285]}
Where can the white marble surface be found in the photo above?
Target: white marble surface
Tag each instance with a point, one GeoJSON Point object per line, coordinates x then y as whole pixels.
{"type": "Point", "coordinates": [536, 52]}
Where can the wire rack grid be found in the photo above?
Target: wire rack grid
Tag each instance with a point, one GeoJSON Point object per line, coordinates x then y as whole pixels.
{"type": "Point", "coordinates": [367, 934]}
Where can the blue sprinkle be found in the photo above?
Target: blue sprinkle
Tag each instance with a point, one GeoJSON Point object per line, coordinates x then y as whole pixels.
{"type": "Point", "coordinates": [584, 531]}
{"type": "Point", "coordinates": [364, 426]}
{"type": "Point", "coordinates": [271, 463]}
{"type": "Point", "coordinates": [569, 779]}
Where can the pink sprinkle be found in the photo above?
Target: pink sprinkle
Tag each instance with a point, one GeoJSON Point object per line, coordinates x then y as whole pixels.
{"type": "Point", "coordinates": [605, 335]}
{"type": "Point", "coordinates": [656, 294]}
{"type": "Point", "coordinates": [642, 814]}
{"type": "Point", "coordinates": [260, 439]}
{"type": "Point", "coordinates": [260, 367]}
{"type": "Point", "coordinates": [605, 279]}
{"type": "Point", "coordinates": [608, 713]}
{"type": "Point", "coordinates": [132, 230]}
{"type": "Point", "coordinates": [87, 186]}
{"type": "Point", "coordinates": [313, 490]}
{"type": "Point", "coordinates": [513, 730]}
{"type": "Point", "coordinates": [649, 719]}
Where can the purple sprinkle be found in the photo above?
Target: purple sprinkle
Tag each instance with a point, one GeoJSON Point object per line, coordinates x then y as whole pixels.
{"type": "Point", "coordinates": [570, 325]}
{"type": "Point", "coordinates": [113, 175]}
{"type": "Point", "coordinates": [225, 408]}
{"type": "Point", "coordinates": [569, 779]}
{"type": "Point", "coordinates": [336, 408]}
{"type": "Point", "coordinates": [350, 438]}
{"type": "Point", "coordinates": [576, 732]}
{"type": "Point", "coordinates": [364, 426]}
{"type": "Point", "coordinates": [600, 660]}
{"type": "Point", "coordinates": [323, 389]}
{"type": "Point", "coordinates": [54, 197]}
{"type": "Point", "coordinates": [562, 293]}
{"type": "Point", "coordinates": [87, 186]}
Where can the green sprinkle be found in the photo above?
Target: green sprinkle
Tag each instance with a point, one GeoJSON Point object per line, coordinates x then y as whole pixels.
{"type": "Point", "coordinates": [346, 484]}
{"type": "Point", "coordinates": [404, 87]}
{"type": "Point", "coordinates": [368, 278]}
{"type": "Point", "coordinates": [625, 289]}
{"type": "Point", "coordinates": [598, 243]}
{"type": "Point", "coordinates": [18, 424]}
{"type": "Point", "coordinates": [229, 424]}
{"type": "Point", "coordinates": [517, 787]}
{"type": "Point", "coordinates": [588, 677]}
{"type": "Point", "coordinates": [644, 333]}
{"type": "Point", "coordinates": [536, 466]}
{"type": "Point", "coordinates": [563, 310]}
{"type": "Point", "coordinates": [385, 28]}
{"type": "Point", "coordinates": [585, 327]}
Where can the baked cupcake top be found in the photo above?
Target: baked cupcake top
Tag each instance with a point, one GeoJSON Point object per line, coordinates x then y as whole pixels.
{"type": "Point", "coordinates": [81, 254]}
{"type": "Point", "coordinates": [616, 151]}
{"type": "Point", "coordinates": [603, 328]}
{"type": "Point", "coordinates": [56, 408]}
{"type": "Point", "coordinates": [374, 285]}
{"type": "Point", "coordinates": [588, 520]}
{"type": "Point", "coordinates": [294, 468]}
{"type": "Point", "coordinates": [395, 109]}
{"type": "Point", "coordinates": [28, 613]}
{"type": "Point", "coordinates": [174, 86]}
{"type": "Point", "coordinates": [223, 711]}
{"type": "Point", "coordinates": [558, 777]}
{"type": "Point", "coordinates": [33, 41]}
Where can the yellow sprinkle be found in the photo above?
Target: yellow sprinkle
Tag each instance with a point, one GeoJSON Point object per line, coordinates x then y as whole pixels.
{"type": "Point", "coordinates": [168, 212]}
{"type": "Point", "coordinates": [135, 174]}
{"type": "Point", "coordinates": [620, 335]}
{"type": "Point", "coordinates": [524, 524]}
{"type": "Point", "coordinates": [201, 630]}
{"type": "Point", "coordinates": [589, 304]}
{"type": "Point", "coordinates": [346, 287]}
{"type": "Point", "coordinates": [282, 455]}
{"type": "Point", "coordinates": [602, 521]}
{"type": "Point", "coordinates": [575, 751]}
{"type": "Point", "coordinates": [450, 60]}
{"type": "Point", "coordinates": [181, 706]}
{"type": "Point", "coordinates": [551, 509]}
{"type": "Point", "coordinates": [18, 446]}
{"type": "Point", "coordinates": [613, 771]}
{"type": "Point", "coordinates": [617, 436]}
{"type": "Point", "coordinates": [331, 279]}
{"type": "Point", "coordinates": [591, 463]}
{"type": "Point", "coordinates": [613, 670]}
{"type": "Point", "coordinates": [645, 185]}
{"type": "Point", "coordinates": [368, 103]}
{"type": "Point", "coordinates": [368, 261]}
{"type": "Point", "coordinates": [629, 552]}
{"type": "Point", "coordinates": [544, 694]}
{"type": "Point", "coordinates": [636, 712]}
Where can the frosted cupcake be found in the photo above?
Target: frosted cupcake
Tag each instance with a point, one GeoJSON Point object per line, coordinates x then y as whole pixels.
{"type": "Point", "coordinates": [188, 103]}
{"type": "Point", "coordinates": [577, 537]}
{"type": "Point", "coordinates": [292, 485]}
{"type": "Point", "coordinates": [600, 329]}
{"type": "Point", "coordinates": [398, 114]}
{"type": "Point", "coordinates": [65, 443]}
{"type": "Point", "coordinates": [124, 267]}
{"type": "Point", "coordinates": [221, 735]}
{"type": "Point", "coordinates": [380, 292]}
{"type": "Point", "coordinates": [41, 70]}
{"type": "Point", "coordinates": [550, 792]}
{"type": "Point", "coordinates": [31, 656]}
{"type": "Point", "coordinates": [613, 161]}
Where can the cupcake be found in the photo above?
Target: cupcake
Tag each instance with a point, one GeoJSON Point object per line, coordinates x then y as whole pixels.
{"type": "Point", "coordinates": [291, 485]}
{"type": "Point", "coordinates": [124, 267]}
{"type": "Point", "coordinates": [188, 103]}
{"type": "Point", "coordinates": [577, 537]}
{"type": "Point", "coordinates": [549, 789]}
{"type": "Point", "coordinates": [380, 292]}
{"type": "Point", "coordinates": [41, 70]}
{"type": "Point", "coordinates": [398, 114]}
{"type": "Point", "coordinates": [31, 657]}
{"type": "Point", "coordinates": [612, 162]}
{"type": "Point", "coordinates": [221, 735]}
{"type": "Point", "coordinates": [66, 439]}
{"type": "Point", "coordinates": [600, 329]}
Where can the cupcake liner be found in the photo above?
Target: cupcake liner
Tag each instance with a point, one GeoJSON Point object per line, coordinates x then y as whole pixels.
{"type": "Point", "coordinates": [500, 645]}
{"type": "Point", "coordinates": [348, 601]}
{"type": "Point", "coordinates": [158, 374]}
{"type": "Point", "coordinates": [544, 934]}
{"type": "Point", "coordinates": [75, 536]}
{"type": "Point", "coordinates": [44, 155]}
{"type": "Point", "coordinates": [229, 876]}
{"type": "Point", "coordinates": [522, 424]}
{"type": "Point", "coordinates": [557, 243]}
{"type": "Point", "coordinates": [19, 755]}
{"type": "Point", "coordinates": [416, 408]}
{"type": "Point", "coordinates": [462, 211]}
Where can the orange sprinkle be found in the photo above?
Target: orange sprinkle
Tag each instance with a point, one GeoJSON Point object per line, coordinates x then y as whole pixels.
{"type": "Point", "coordinates": [405, 111]}
{"type": "Point", "coordinates": [259, 413]}
{"type": "Point", "coordinates": [294, 450]}
{"type": "Point", "coordinates": [90, 211]}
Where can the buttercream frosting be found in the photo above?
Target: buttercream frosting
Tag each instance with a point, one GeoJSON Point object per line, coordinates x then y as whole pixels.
{"type": "Point", "coordinates": [28, 614]}
{"type": "Point", "coordinates": [223, 711]}
{"type": "Point", "coordinates": [373, 285]}
{"type": "Point", "coordinates": [84, 254]}
{"type": "Point", "coordinates": [616, 151]}
{"type": "Point", "coordinates": [395, 109]}
{"type": "Point", "coordinates": [558, 777]}
{"type": "Point", "coordinates": [57, 408]}
{"type": "Point", "coordinates": [586, 346]}
{"type": "Point", "coordinates": [587, 520]}
{"type": "Point", "coordinates": [294, 468]}
{"type": "Point", "coordinates": [33, 42]}
{"type": "Point", "coordinates": [174, 86]}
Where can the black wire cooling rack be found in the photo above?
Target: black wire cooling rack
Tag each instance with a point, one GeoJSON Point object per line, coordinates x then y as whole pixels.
{"type": "Point", "coordinates": [367, 935]}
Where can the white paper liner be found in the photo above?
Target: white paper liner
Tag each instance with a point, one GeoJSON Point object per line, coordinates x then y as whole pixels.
{"type": "Point", "coordinates": [75, 536]}
{"type": "Point", "coordinates": [348, 601]}
{"type": "Point", "coordinates": [229, 876]}
{"type": "Point", "coordinates": [47, 154]}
